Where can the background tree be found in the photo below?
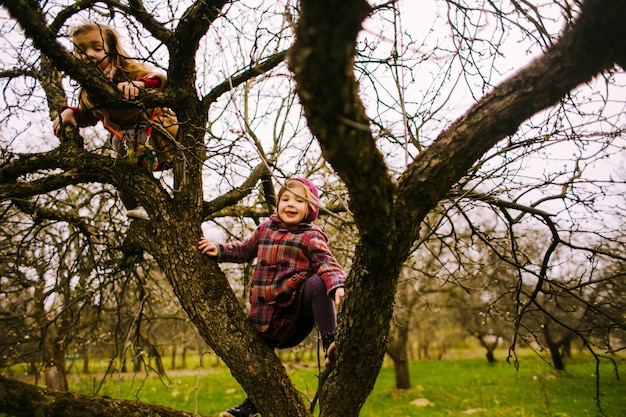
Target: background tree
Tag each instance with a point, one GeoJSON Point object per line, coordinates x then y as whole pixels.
{"type": "Point", "coordinates": [393, 164]}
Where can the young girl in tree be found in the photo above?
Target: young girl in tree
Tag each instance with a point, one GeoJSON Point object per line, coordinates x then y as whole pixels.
{"type": "Point", "coordinates": [296, 277]}
{"type": "Point", "coordinates": [137, 133]}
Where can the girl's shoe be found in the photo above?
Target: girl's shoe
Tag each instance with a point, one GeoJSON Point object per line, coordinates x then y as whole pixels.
{"type": "Point", "coordinates": [138, 213]}
{"type": "Point", "coordinates": [329, 345]}
{"type": "Point", "coordinates": [245, 409]}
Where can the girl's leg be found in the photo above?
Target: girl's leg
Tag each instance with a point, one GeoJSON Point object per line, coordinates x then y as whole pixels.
{"type": "Point", "coordinates": [316, 302]}
{"type": "Point", "coordinates": [323, 310]}
{"type": "Point", "coordinates": [129, 201]}
{"type": "Point", "coordinates": [314, 306]}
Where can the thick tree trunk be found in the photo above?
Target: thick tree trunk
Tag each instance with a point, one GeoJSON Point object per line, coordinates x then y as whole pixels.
{"type": "Point", "coordinates": [85, 359]}
{"type": "Point", "coordinates": [137, 360]}
{"type": "Point", "coordinates": [557, 359]}
{"type": "Point", "coordinates": [23, 400]}
{"type": "Point", "coordinates": [553, 347]}
{"type": "Point", "coordinates": [54, 361]}
{"type": "Point", "coordinates": [158, 360]}
{"type": "Point", "coordinates": [397, 351]}
{"type": "Point", "coordinates": [56, 378]}
{"type": "Point", "coordinates": [489, 347]}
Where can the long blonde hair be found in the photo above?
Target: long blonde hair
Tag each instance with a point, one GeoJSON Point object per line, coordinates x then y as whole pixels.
{"type": "Point", "coordinates": [120, 60]}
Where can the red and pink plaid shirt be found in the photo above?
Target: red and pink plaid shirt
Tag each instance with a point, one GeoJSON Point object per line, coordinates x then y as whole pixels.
{"type": "Point", "coordinates": [281, 252]}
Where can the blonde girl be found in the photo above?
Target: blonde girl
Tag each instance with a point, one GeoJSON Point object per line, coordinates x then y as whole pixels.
{"type": "Point", "coordinates": [131, 128]}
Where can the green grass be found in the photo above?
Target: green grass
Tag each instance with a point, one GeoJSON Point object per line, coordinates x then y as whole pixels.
{"type": "Point", "coordinates": [457, 387]}
{"type": "Point", "coordinates": [473, 387]}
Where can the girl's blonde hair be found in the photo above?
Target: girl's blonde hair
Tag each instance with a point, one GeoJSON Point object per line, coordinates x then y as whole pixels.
{"type": "Point", "coordinates": [120, 60]}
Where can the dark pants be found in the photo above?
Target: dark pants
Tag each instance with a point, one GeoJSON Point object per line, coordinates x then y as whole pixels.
{"type": "Point", "coordinates": [313, 306]}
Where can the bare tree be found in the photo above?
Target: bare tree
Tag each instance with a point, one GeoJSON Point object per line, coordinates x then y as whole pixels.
{"type": "Point", "coordinates": [387, 200]}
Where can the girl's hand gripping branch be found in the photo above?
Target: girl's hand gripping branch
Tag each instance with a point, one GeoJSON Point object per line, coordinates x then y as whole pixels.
{"type": "Point", "coordinates": [339, 293]}
{"type": "Point", "coordinates": [207, 247]}
{"type": "Point", "coordinates": [66, 117]}
{"type": "Point", "coordinates": [130, 89]}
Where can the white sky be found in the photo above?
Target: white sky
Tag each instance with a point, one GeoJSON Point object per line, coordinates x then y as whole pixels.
{"type": "Point", "coordinates": [419, 19]}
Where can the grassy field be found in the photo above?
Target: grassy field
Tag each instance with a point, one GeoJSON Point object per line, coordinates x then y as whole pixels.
{"type": "Point", "coordinates": [457, 387]}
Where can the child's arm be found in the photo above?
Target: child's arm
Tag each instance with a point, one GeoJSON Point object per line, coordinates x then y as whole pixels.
{"type": "Point", "coordinates": [325, 265]}
{"type": "Point", "coordinates": [236, 252]}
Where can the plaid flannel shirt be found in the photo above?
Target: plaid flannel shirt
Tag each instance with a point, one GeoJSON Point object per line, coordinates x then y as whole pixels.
{"type": "Point", "coordinates": [281, 252]}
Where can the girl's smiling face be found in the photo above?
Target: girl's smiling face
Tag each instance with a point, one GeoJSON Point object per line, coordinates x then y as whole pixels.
{"type": "Point", "coordinates": [292, 207]}
{"type": "Point", "coordinates": [90, 47]}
